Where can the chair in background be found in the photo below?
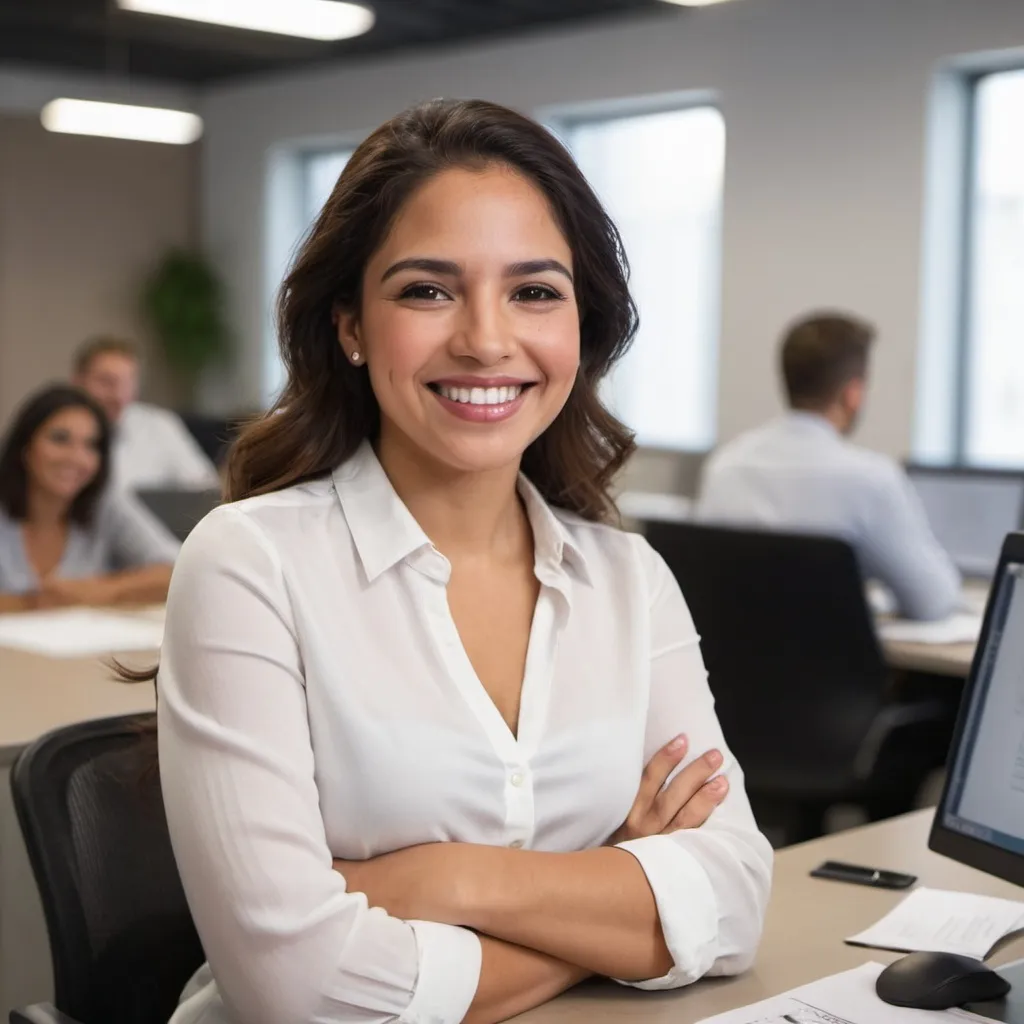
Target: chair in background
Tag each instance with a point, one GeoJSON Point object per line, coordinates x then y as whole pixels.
{"type": "Point", "coordinates": [179, 510]}
{"type": "Point", "coordinates": [213, 434]}
{"type": "Point", "coordinates": [801, 687]}
{"type": "Point", "coordinates": [121, 935]}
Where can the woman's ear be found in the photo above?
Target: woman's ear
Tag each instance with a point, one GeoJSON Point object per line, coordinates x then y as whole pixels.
{"type": "Point", "coordinates": [346, 326]}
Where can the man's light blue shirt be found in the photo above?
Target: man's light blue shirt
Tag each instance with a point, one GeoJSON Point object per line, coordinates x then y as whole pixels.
{"type": "Point", "coordinates": [799, 474]}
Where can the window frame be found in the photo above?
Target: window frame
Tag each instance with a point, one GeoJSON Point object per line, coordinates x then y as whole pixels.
{"type": "Point", "coordinates": [969, 171]}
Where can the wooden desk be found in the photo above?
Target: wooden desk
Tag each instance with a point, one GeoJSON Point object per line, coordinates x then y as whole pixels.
{"type": "Point", "coordinates": [803, 940]}
{"type": "Point", "coordinates": [38, 694]}
{"type": "Point", "coordinates": [952, 660]}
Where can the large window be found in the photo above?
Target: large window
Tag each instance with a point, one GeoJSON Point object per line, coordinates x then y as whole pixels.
{"type": "Point", "coordinates": [659, 175]}
{"type": "Point", "coordinates": [992, 379]}
{"type": "Point", "coordinates": [319, 173]}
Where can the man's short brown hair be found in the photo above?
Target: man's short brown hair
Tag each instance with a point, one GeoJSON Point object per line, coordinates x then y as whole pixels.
{"type": "Point", "coordinates": [98, 345]}
{"type": "Point", "coordinates": [821, 354]}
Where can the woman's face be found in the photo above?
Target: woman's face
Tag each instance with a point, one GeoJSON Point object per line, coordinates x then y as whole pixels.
{"type": "Point", "coordinates": [63, 457]}
{"type": "Point", "coordinates": [469, 327]}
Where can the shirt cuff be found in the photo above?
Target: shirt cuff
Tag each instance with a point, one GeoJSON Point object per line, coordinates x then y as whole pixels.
{"type": "Point", "coordinates": [449, 972]}
{"type": "Point", "coordinates": [687, 909]}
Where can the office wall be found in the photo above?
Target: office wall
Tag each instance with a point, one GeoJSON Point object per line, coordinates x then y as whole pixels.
{"type": "Point", "coordinates": [81, 222]}
{"type": "Point", "coordinates": [825, 103]}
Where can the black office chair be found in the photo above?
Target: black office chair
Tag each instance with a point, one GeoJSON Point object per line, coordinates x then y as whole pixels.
{"type": "Point", "coordinates": [121, 935]}
{"type": "Point", "coordinates": [214, 434]}
{"type": "Point", "coordinates": [801, 687]}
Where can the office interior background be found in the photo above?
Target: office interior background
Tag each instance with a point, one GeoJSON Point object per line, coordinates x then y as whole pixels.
{"type": "Point", "coordinates": [762, 158]}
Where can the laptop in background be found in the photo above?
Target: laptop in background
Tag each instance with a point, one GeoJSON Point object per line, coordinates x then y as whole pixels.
{"type": "Point", "coordinates": [179, 510]}
{"type": "Point", "coordinates": [971, 511]}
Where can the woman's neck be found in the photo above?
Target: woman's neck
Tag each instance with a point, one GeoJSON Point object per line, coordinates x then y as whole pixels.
{"type": "Point", "coordinates": [44, 510]}
{"type": "Point", "coordinates": [469, 515]}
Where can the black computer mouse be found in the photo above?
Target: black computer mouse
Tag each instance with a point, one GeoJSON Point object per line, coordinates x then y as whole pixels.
{"type": "Point", "coordinates": [937, 981]}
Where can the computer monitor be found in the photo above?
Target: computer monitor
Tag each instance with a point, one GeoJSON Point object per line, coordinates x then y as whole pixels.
{"type": "Point", "coordinates": [970, 512]}
{"type": "Point", "coordinates": [980, 818]}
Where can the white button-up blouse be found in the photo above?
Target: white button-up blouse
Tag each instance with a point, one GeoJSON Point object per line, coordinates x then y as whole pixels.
{"type": "Point", "coordinates": [315, 702]}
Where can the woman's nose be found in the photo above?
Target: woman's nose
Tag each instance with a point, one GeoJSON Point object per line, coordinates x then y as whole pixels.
{"type": "Point", "coordinates": [484, 333]}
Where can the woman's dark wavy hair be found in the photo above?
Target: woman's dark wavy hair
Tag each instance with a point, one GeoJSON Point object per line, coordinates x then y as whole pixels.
{"type": "Point", "coordinates": [28, 420]}
{"type": "Point", "coordinates": [327, 407]}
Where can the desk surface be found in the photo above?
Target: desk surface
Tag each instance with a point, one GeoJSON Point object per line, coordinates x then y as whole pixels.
{"type": "Point", "coordinates": [803, 940]}
{"type": "Point", "coordinates": [952, 660]}
{"type": "Point", "coordinates": [38, 694]}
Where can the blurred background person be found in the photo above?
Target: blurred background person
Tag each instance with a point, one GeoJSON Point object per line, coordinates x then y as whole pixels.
{"type": "Point", "coordinates": [151, 447]}
{"type": "Point", "coordinates": [801, 473]}
{"type": "Point", "coordinates": [66, 537]}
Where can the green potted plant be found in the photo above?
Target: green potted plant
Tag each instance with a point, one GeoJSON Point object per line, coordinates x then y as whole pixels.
{"type": "Point", "coordinates": [183, 305]}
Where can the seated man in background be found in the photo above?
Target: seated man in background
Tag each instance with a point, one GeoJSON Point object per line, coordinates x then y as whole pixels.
{"type": "Point", "coordinates": [801, 474]}
{"type": "Point", "coordinates": [152, 448]}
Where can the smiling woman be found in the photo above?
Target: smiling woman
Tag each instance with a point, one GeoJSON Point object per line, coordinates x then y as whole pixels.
{"type": "Point", "coordinates": [414, 670]}
{"type": "Point", "coordinates": [64, 537]}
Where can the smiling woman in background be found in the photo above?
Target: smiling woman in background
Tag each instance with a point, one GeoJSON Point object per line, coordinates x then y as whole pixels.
{"type": "Point", "coordinates": [64, 538]}
{"type": "Point", "coordinates": [415, 669]}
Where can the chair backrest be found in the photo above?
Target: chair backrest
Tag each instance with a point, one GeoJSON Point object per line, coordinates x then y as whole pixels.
{"type": "Point", "coordinates": [213, 434]}
{"type": "Point", "coordinates": [121, 935]}
{"type": "Point", "coordinates": [791, 650]}
{"type": "Point", "coordinates": [179, 510]}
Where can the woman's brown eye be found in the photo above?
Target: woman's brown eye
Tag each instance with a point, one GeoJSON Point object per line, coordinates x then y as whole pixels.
{"type": "Point", "coordinates": [428, 292]}
{"type": "Point", "coordinates": [536, 293]}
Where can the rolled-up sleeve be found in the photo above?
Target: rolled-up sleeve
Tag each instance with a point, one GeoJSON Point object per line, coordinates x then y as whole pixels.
{"type": "Point", "coordinates": [286, 942]}
{"type": "Point", "coordinates": [711, 884]}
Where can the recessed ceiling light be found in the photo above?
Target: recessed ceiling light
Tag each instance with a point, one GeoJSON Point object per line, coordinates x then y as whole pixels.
{"type": "Point", "coordinates": [308, 19]}
{"type": "Point", "coordinates": [695, 3]}
{"type": "Point", "coordinates": [121, 121]}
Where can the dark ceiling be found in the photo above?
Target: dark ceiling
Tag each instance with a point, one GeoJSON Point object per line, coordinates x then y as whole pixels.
{"type": "Point", "coordinates": [93, 35]}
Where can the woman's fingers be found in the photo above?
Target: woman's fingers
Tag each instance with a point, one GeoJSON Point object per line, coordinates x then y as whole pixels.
{"type": "Point", "coordinates": [700, 807]}
{"type": "Point", "coordinates": [685, 786]}
{"type": "Point", "coordinates": [657, 770]}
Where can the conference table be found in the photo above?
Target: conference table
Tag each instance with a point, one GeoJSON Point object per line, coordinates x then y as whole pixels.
{"type": "Point", "coordinates": [806, 922]}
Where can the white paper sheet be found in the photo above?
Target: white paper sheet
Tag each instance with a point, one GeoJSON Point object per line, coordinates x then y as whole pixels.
{"type": "Point", "coordinates": [847, 998]}
{"type": "Point", "coordinates": [81, 632]}
{"type": "Point", "coordinates": [961, 628]}
{"type": "Point", "coordinates": [945, 922]}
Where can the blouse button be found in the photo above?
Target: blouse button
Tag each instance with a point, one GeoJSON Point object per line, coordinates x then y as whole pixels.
{"type": "Point", "coordinates": [516, 778]}
{"type": "Point", "coordinates": [516, 844]}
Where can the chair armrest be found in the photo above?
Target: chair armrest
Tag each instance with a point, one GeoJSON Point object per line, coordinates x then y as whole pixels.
{"type": "Point", "coordinates": [40, 1013]}
{"type": "Point", "coordinates": [888, 720]}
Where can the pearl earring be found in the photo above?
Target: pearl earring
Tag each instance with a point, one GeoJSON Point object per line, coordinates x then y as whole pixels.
{"type": "Point", "coordinates": [355, 357]}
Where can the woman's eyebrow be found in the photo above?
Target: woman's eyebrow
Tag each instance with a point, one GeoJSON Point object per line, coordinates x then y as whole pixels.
{"type": "Point", "coordinates": [528, 267]}
{"type": "Point", "coordinates": [447, 268]}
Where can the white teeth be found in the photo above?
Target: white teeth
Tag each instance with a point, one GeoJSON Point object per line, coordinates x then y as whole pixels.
{"type": "Point", "coordinates": [480, 396]}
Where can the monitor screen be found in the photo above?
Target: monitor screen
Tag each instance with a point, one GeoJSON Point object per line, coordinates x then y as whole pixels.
{"type": "Point", "coordinates": [970, 514]}
{"type": "Point", "coordinates": [984, 798]}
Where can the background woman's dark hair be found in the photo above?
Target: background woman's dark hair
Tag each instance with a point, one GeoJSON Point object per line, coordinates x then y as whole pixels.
{"type": "Point", "coordinates": [328, 408]}
{"type": "Point", "coordinates": [34, 412]}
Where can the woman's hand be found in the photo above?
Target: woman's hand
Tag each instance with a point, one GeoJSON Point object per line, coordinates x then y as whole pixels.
{"type": "Point", "coordinates": [686, 802]}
